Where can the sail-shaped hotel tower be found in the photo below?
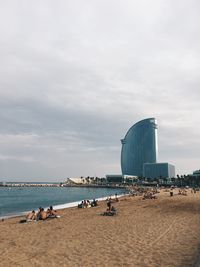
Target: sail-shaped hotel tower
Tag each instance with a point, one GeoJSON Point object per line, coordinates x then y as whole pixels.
{"type": "Point", "coordinates": [139, 146]}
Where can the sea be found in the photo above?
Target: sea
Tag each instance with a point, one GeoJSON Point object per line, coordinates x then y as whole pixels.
{"type": "Point", "coordinates": [16, 201]}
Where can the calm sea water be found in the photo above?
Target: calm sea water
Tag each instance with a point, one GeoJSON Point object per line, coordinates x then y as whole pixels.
{"type": "Point", "coordinates": [16, 200]}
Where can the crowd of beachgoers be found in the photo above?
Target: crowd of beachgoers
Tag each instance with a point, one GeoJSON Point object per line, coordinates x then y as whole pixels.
{"type": "Point", "coordinates": [144, 192]}
{"type": "Point", "coordinates": [50, 213]}
{"type": "Point", "coordinates": [150, 192]}
{"type": "Point", "coordinates": [110, 211]}
{"type": "Point", "coordinates": [162, 221]}
{"type": "Point", "coordinates": [88, 204]}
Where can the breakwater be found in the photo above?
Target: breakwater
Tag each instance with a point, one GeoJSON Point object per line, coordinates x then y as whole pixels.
{"type": "Point", "coordinates": [61, 185]}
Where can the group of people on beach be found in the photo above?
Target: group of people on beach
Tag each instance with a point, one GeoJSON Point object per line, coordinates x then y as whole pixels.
{"type": "Point", "coordinates": [149, 195]}
{"type": "Point", "coordinates": [111, 210]}
{"type": "Point", "coordinates": [146, 193]}
{"type": "Point", "coordinates": [41, 214]}
{"type": "Point", "coordinates": [88, 204]}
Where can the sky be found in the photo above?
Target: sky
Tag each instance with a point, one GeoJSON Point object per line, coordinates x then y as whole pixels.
{"type": "Point", "coordinates": [76, 75]}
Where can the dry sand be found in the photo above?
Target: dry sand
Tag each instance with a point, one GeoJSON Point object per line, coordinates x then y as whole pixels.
{"type": "Point", "coordinates": [162, 232]}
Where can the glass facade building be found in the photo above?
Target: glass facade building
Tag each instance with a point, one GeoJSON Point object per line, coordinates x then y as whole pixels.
{"type": "Point", "coordinates": [196, 173]}
{"type": "Point", "coordinates": [114, 178]}
{"type": "Point", "coordinates": [139, 146]}
{"type": "Point", "coordinates": [158, 170]}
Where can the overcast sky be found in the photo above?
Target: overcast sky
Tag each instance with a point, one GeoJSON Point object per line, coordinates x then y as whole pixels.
{"type": "Point", "coordinates": [76, 75]}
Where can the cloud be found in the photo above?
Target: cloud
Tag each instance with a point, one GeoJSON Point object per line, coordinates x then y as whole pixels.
{"type": "Point", "coordinates": [75, 76]}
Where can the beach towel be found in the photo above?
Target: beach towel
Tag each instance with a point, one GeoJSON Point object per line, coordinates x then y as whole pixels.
{"type": "Point", "coordinates": [26, 221]}
{"type": "Point", "coordinates": [53, 216]}
{"type": "Point", "coordinates": [109, 213]}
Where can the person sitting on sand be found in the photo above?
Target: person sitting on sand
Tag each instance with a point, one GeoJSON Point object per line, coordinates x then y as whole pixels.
{"type": "Point", "coordinates": [51, 212]}
{"type": "Point", "coordinates": [184, 192]}
{"type": "Point", "coordinates": [110, 212]}
{"type": "Point", "coordinates": [145, 196]}
{"type": "Point", "coordinates": [81, 205]}
{"type": "Point", "coordinates": [113, 209]}
{"type": "Point", "coordinates": [31, 216]}
{"type": "Point", "coordinates": [84, 203]}
{"type": "Point", "coordinates": [88, 204]}
{"type": "Point", "coordinates": [42, 214]}
{"type": "Point", "coordinates": [94, 203]}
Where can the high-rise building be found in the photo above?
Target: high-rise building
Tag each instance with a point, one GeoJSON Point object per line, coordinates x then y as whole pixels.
{"type": "Point", "coordinates": [139, 146]}
{"type": "Point", "coordinates": [158, 170]}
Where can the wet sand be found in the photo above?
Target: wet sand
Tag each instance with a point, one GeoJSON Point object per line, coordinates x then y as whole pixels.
{"type": "Point", "coordinates": [161, 232]}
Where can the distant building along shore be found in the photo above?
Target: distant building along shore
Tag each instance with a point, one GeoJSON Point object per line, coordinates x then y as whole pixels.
{"type": "Point", "coordinates": [139, 152]}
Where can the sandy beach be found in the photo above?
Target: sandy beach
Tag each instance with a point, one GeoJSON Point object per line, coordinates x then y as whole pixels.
{"type": "Point", "coordinates": [161, 232]}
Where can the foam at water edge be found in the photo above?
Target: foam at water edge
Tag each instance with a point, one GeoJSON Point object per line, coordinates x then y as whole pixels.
{"type": "Point", "coordinates": [75, 204]}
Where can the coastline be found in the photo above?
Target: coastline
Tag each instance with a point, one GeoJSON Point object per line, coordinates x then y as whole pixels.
{"type": "Point", "coordinates": [41, 184]}
{"type": "Point", "coordinates": [162, 232]}
{"type": "Point", "coordinates": [56, 207]}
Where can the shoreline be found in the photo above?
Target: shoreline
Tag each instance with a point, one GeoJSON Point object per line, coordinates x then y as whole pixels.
{"type": "Point", "coordinates": [57, 207]}
{"type": "Point", "coordinates": [10, 185]}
